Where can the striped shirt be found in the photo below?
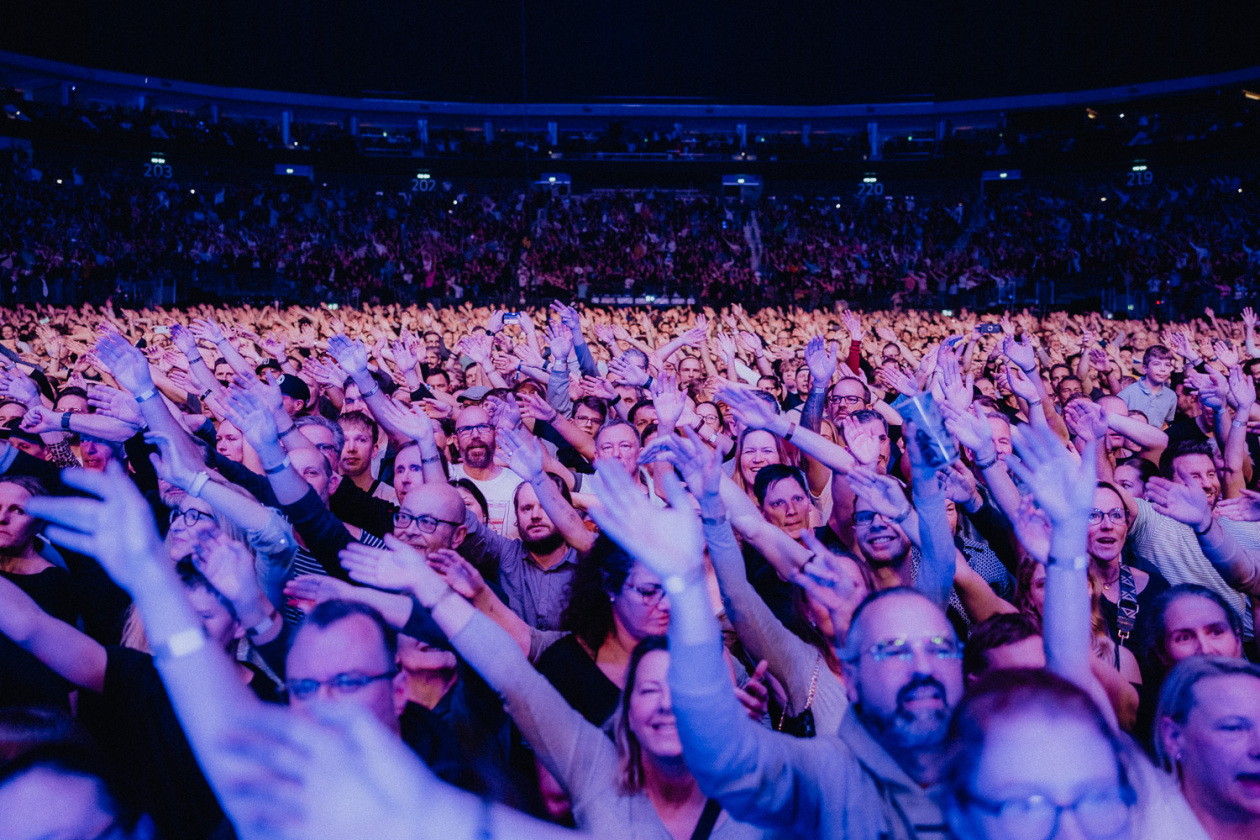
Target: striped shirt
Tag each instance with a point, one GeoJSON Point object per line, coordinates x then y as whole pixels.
{"type": "Point", "coordinates": [1172, 548]}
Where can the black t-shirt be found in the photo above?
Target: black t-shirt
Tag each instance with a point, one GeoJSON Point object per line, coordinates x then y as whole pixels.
{"type": "Point", "coordinates": [24, 680]}
{"type": "Point", "coordinates": [136, 725]}
{"type": "Point", "coordinates": [573, 672]}
{"type": "Point", "coordinates": [435, 743]}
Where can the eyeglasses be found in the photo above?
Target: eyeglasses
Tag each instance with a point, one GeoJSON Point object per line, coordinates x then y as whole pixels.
{"type": "Point", "coordinates": [1098, 813]}
{"type": "Point", "coordinates": [902, 649]}
{"type": "Point", "coordinates": [847, 399]}
{"type": "Point", "coordinates": [865, 518]}
{"type": "Point", "coordinates": [651, 594]}
{"type": "Point", "coordinates": [340, 684]}
{"type": "Point", "coordinates": [479, 429]}
{"type": "Point", "coordinates": [325, 447]}
{"type": "Point", "coordinates": [424, 522]}
{"type": "Point", "coordinates": [191, 516]}
{"type": "Point", "coordinates": [1116, 515]}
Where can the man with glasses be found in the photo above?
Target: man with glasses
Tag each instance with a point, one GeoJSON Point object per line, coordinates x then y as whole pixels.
{"type": "Point", "coordinates": [477, 441]}
{"type": "Point", "coordinates": [344, 652]}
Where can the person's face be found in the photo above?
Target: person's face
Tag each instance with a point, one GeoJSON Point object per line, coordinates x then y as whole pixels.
{"type": "Point", "coordinates": [621, 444]}
{"type": "Point", "coordinates": [708, 414]}
{"type": "Point", "coordinates": [294, 407]}
{"type": "Point", "coordinates": [1057, 375]}
{"type": "Point", "coordinates": [759, 451]}
{"type": "Point", "coordinates": [846, 397]}
{"type": "Point", "coordinates": [1159, 370]}
{"type": "Point", "coordinates": [534, 523]}
{"type": "Point", "coordinates": [1130, 479]}
{"type": "Point", "coordinates": [217, 622]}
{"type": "Point", "coordinates": [644, 417]}
{"type": "Point", "coordinates": [313, 467]}
{"type": "Point", "coordinates": [191, 528]}
{"type": "Point", "coordinates": [96, 455]}
{"type": "Point", "coordinates": [642, 607]}
{"type": "Point", "coordinates": [787, 507]}
{"type": "Point", "coordinates": [1200, 470]}
{"type": "Point", "coordinates": [470, 502]}
{"type": "Point", "coordinates": [17, 527]}
{"type": "Point", "coordinates": [1068, 388]}
{"type": "Point", "coordinates": [44, 804]}
{"type": "Point", "coordinates": [690, 371]}
{"type": "Point", "coordinates": [1106, 536]}
{"type": "Point", "coordinates": [223, 373]}
{"type": "Point", "coordinates": [1219, 747]}
{"type": "Point", "coordinates": [770, 385]}
{"type": "Point", "coordinates": [1197, 626]}
{"type": "Point", "coordinates": [6, 332]}
{"type": "Point", "coordinates": [408, 471]}
{"type": "Point", "coordinates": [587, 419]}
{"type": "Point", "coordinates": [907, 675]}
{"type": "Point", "coordinates": [353, 647]}
{"type": "Point", "coordinates": [12, 411]}
{"type": "Point", "coordinates": [323, 440]}
{"type": "Point", "coordinates": [649, 711]}
{"type": "Point", "coordinates": [1001, 435]}
{"type": "Point", "coordinates": [352, 401]}
{"type": "Point", "coordinates": [229, 443]}
{"type": "Point", "coordinates": [72, 403]}
{"type": "Point", "coordinates": [418, 658]}
{"type": "Point", "coordinates": [356, 455]}
{"type": "Point", "coordinates": [437, 382]}
{"type": "Point", "coordinates": [882, 541]}
{"type": "Point", "coordinates": [1187, 398]}
{"type": "Point", "coordinates": [35, 450]}
{"type": "Point", "coordinates": [422, 502]}
{"type": "Point", "coordinates": [475, 436]}
{"type": "Point", "coordinates": [1073, 760]}
{"type": "Point", "coordinates": [1037, 588]}
{"type": "Point", "coordinates": [803, 380]}
{"type": "Point", "coordinates": [986, 387]}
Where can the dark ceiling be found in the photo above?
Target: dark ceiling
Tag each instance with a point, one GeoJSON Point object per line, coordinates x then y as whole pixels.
{"type": "Point", "coordinates": [741, 51]}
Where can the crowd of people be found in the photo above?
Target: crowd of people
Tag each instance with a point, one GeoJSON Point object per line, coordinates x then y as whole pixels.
{"type": "Point", "coordinates": [460, 572]}
{"type": "Point", "coordinates": [67, 237]}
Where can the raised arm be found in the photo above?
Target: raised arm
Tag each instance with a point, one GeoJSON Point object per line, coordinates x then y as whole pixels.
{"type": "Point", "coordinates": [525, 458]}
{"type": "Point", "coordinates": [1188, 504]}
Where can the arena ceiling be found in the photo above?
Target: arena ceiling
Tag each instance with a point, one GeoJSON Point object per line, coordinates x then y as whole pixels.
{"type": "Point", "coordinates": [726, 51]}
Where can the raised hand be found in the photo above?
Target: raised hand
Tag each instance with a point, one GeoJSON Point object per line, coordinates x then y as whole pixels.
{"type": "Point", "coordinates": [351, 355]}
{"type": "Point", "coordinates": [1099, 361]}
{"type": "Point", "coordinates": [669, 401]}
{"type": "Point", "coordinates": [957, 390]}
{"type": "Point", "coordinates": [834, 582]}
{"type": "Point", "coordinates": [128, 365]}
{"type": "Point", "coordinates": [404, 355]}
{"type": "Point", "coordinates": [1242, 392]}
{"type": "Point", "coordinates": [881, 492]}
{"type": "Point", "coordinates": [861, 439]}
{"type": "Point", "coordinates": [1020, 385]}
{"type": "Point", "coordinates": [459, 574]}
{"type": "Point", "coordinates": [1061, 484]}
{"type": "Point", "coordinates": [504, 412]}
{"type": "Point", "coordinates": [1249, 318]}
{"type": "Point", "coordinates": [821, 360]}
{"type": "Point", "coordinates": [960, 484]}
{"type": "Point", "coordinates": [668, 541]}
{"type": "Point", "coordinates": [528, 355]}
{"type": "Point", "coordinates": [173, 463]}
{"type": "Point", "coordinates": [624, 372]}
{"type": "Point", "coordinates": [38, 420]}
{"type": "Point", "coordinates": [523, 452]}
{"type": "Point", "coordinates": [1186, 503]}
{"type": "Point", "coordinates": [972, 430]}
{"type": "Point", "coordinates": [16, 385]}
{"type": "Point", "coordinates": [853, 324]}
{"type": "Point", "coordinates": [536, 407]}
{"type": "Point", "coordinates": [560, 340]}
{"type": "Point", "coordinates": [266, 391]}
{"type": "Point", "coordinates": [112, 523]}
{"type": "Point", "coordinates": [112, 402]}
{"type": "Point", "coordinates": [701, 467]}
{"type": "Point", "coordinates": [1032, 529]}
{"type": "Point", "coordinates": [604, 335]}
{"type": "Point", "coordinates": [1244, 508]}
{"type": "Point", "coordinates": [229, 566]}
{"type": "Point", "coordinates": [185, 341]}
{"type": "Point", "coordinates": [1086, 420]}
{"type": "Point", "coordinates": [1225, 353]}
{"type": "Point", "coordinates": [395, 567]}
{"type": "Point", "coordinates": [893, 378]}
{"type": "Point", "coordinates": [568, 316]}
{"type": "Point", "coordinates": [725, 347]}
{"type": "Point", "coordinates": [206, 329]}
{"type": "Point", "coordinates": [253, 418]}
{"type": "Point", "coordinates": [752, 411]}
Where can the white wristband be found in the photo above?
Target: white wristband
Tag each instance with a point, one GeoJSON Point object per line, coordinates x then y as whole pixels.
{"type": "Point", "coordinates": [194, 489]}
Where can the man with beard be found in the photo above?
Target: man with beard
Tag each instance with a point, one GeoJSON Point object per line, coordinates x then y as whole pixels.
{"type": "Point", "coordinates": [476, 437]}
{"type": "Point", "coordinates": [535, 571]}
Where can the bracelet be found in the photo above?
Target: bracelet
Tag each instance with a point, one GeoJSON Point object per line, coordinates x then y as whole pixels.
{"type": "Point", "coordinates": [984, 465]}
{"type": "Point", "coordinates": [262, 627]}
{"type": "Point", "coordinates": [198, 482]}
{"type": "Point", "coordinates": [1035, 402]}
{"type": "Point", "coordinates": [1203, 533]}
{"type": "Point", "coordinates": [220, 341]}
{"type": "Point", "coordinates": [714, 521]}
{"type": "Point", "coordinates": [1239, 424]}
{"type": "Point", "coordinates": [146, 395]}
{"type": "Point", "coordinates": [436, 458]}
{"type": "Point", "coordinates": [65, 421]}
{"type": "Point", "coordinates": [674, 584]}
{"type": "Point", "coordinates": [206, 393]}
{"type": "Point", "coordinates": [195, 358]}
{"type": "Point", "coordinates": [278, 468]}
{"type": "Point", "coordinates": [376, 389]}
{"type": "Point", "coordinates": [791, 431]}
{"type": "Point", "coordinates": [289, 430]}
{"type": "Point", "coordinates": [649, 382]}
{"type": "Point", "coordinates": [180, 644]}
{"type": "Point", "coordinates": [1077, 564]}
{"type": "Point", "coordinates": [904, 515]}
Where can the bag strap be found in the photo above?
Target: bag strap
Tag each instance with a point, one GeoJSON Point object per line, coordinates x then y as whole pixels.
{"type": "Point", "coordinates": [1126, 609]}
{"type": "Point", "coordinates": [708, 819]}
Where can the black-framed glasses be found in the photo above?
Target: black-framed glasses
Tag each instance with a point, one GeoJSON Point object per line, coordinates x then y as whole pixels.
{"type": "Point", "coordinates": [326, 447]}
{"type": "Point", "coordinates": [424, 522]}
{"type": "Point", "coordinates": [651, 594]}
{"type": "Point", "coordinates": [340, 684]}
{"type": "Point", "coordinates": [1099, 813]}
{"type": "Point", "coordinates": [478, 429]}
{"type": "Point", "coordinates": [847, 399]}
{"type": "Point", "coordinates": [902, 649]}
{"type": "Point", "coordinates": [191, 516]}
{"type": "Point", "coordinates": [1116, 515]}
